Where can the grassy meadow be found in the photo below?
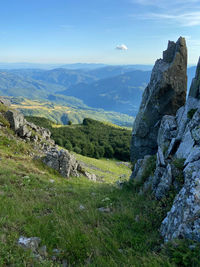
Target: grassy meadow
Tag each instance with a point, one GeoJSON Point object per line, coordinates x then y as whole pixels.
{"type": "Point", "coordinates": [35, 201]}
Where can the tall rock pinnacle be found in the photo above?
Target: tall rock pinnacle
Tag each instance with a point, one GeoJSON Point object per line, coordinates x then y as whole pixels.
{"type": "Point", "coordinates": [165, 93]}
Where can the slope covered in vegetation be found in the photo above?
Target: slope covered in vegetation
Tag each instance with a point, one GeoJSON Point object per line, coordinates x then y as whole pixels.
{"type": "Point", "coordinates": [91, 138]}
{"type": "Point", "coordinates": [65, 214]}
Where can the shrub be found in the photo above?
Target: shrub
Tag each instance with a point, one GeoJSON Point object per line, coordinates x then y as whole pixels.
{"type": "Point", "coordinates": [179, 164]}
{"type": "Point", "coordinates": [68, 146]}
{"type": "Point", "coordinates": [4, 121]}
{"type": "Point", "coordinates": [150, 168]}
{"type": "Point", "coordinates": [191, 112]}
{"type": "Point", "coordinates": [3, 108]}
{"type": "Point", "coordinates": [77, 150]}
{"type": "Point", "coordinates": [183, 252]}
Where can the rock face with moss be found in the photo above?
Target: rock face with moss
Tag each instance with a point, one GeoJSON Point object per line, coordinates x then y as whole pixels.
{"type": "Point", "coordinates": [164, 95]}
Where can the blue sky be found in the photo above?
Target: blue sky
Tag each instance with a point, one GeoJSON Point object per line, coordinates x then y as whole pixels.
{"type": "Point", "coordinates": [68, 31]}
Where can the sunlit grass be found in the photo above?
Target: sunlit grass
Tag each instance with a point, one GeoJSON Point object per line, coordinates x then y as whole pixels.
{"type": "Point", "coordinates": [32, 205]}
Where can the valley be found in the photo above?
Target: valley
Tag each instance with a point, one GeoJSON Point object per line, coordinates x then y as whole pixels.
{"type": "Point", "coordinates": [63, 113]}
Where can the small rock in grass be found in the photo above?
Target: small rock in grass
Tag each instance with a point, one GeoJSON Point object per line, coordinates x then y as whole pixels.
{"type": "Point", "coordinates": [137, 218]}
{"type": "Point", "coordinates": [53, 258]}
{"type": "Point", "coordinates": [102, 209]}
{"type": "Point", "coordinates": [51, 181]}
{"type": "Point", "coordinates": [105, 199]}
{"type": "Point", "coordinates": [37, 256]}
{"type": "Point", "coordinates": [120, 184]}
{"type": "Point", "coordinates": [43, 251]}
{"type": "Point", "coordinates": [192, 247]}
{"type": "Point", "coordinates": [56, 251]}
{"type": "Point", "coordinates": [81, 207]}
{"type": "Point", "coordinates": [29, 243]}
{"type": "Point", "coordinates": [93, 194]}
{"type": "Point", "coordinates": [64, 263]}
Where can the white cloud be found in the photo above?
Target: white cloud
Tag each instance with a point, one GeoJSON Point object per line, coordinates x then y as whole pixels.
{"type": "Point", "coordinates": [164, 3]}
{"type": "Point", "coordinates": [183, 12]}
{"type": "Point", "coordinates": [183, 19]}
{"type": "Point", "coordinates": [121, 47]}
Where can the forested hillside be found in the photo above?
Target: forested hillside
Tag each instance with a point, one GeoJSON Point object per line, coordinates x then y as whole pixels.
{"type": "Point", "coordinates": [91, 138]}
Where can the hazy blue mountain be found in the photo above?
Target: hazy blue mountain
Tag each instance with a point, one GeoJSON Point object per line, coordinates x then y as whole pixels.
{"type": "Point", "coordinates": [81, 66]}
{"type": "Point", "coordinates": [120, 93]}
{"type": "Point", "coordinates": [24, 65]}
{"type": "Point", "coordinates": [117, 88]}
{"type": "Point", "coordinates": [73, 66]}
{"type": "Point", "coordinates": [111, 71]}
{"type": "Point", "coordinates": [64, 77]}
{"type": "Point", "coordinates": [22, 84]}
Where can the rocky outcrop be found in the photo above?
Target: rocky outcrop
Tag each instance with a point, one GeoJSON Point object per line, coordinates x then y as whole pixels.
{"type": "Point", "coordinates": [62, 161]}
{"type": "Point", "coordinates": [178, 167]}
{"type": "Point", "coordinates": [66, 164]}
{"type": "Point", "coordinates": [183, 218]}
{"type": "Point", "coordinates": [4, 101]}
{"type": "Point", "coordinates": [15, 118]}
{"type": "Point", "coordinates": [164, 95]}
{"type": "Point", "coordinates": [139, 169]}
{"type": "Point", "coordinates": [25, 129]}
{"type": "Point", "coordinates": [59, 160]}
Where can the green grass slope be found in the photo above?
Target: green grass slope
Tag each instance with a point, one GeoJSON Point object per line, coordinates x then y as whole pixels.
{"type": "Point", "coordinates": [32, 205]}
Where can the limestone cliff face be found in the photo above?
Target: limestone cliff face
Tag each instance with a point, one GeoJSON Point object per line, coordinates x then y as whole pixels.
{"type": "Point", "coordinates": [178, 168]}
{"type": "Point", "coordinates": [165, 93]}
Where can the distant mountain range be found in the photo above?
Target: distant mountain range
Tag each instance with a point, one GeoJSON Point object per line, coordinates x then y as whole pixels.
{"type": "Point", "coordinates": [73, 66]}
{"type": "Point", "coordinates": [121, 93]}
{"type": "Point", "coordinates": [112, 88]}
